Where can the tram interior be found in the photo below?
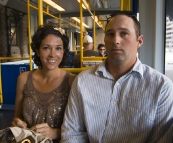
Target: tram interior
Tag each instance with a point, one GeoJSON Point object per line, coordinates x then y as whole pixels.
{"type": "Point", "coordinates": [15, 53]}
{"type": "Point", "coordinates": [14, 33]}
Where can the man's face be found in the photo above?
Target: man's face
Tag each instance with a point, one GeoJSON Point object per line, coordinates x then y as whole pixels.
{"type": "Point", "coordinates": [121, 41]}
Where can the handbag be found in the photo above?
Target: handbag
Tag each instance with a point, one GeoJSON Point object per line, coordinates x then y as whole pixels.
{"type": "Point", "coordinates": [20, 135]}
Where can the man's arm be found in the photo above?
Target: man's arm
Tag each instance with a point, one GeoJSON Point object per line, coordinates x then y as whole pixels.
{"type": "Point", "coordinates": [73, 128]}
{"type": "Point", "coordinates": [162, 131]}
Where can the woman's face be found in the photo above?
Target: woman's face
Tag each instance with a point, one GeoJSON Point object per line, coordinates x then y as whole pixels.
{"type": "Point", "coordinates": [51, 52]}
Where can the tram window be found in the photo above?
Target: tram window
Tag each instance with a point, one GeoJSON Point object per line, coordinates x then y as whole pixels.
{"type": "Point", "coordinates": [14, 36]}
{"type": "Point", "coordinates": [169, 40]}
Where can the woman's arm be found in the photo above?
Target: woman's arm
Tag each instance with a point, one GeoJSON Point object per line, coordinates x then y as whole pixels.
{"type": "Point", "coordinates": [72, 77]}
{"type": "Point", "coordinates": [18, 117]}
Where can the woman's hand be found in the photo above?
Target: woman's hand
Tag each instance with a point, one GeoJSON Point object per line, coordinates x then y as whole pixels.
{"type": "Point", "coordinates": [19, 123]}
{"type": "Point", "coordinates": [47, 131]}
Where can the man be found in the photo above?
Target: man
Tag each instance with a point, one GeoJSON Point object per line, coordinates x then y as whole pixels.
{"type": "Point", "coordinates": [88, 52]}
{"type": "Point", "coordinates": [121, 100]}
{"type": "Point", "coordinates": [101, 49]}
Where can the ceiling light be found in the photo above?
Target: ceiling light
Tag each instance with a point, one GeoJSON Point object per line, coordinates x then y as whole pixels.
{"type": "Point", "coordinates": [96, 18]}
{"type": "Point", "coordinates": [54, 5]}
{"type": "Point", "coordinates": [83, 4]}
{"type": "Point", "coordinates": [97, 21]}
{"type": "Point", "coordinates": [78, 20]}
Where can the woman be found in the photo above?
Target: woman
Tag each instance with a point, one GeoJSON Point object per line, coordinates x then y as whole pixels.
{"type": "Point", "coordinates": [42, 94]}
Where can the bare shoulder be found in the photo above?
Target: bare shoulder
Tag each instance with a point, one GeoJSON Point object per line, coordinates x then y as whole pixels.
{"type": "Point", "coordinates": [71, 78]}
{"type": "Point", "coordinates": [23, 77]}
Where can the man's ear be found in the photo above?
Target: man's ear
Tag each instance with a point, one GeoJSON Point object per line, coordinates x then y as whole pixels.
{"type": "Point", "coordinates": [140, 40]}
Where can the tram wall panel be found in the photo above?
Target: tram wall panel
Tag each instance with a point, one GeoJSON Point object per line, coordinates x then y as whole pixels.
{"type": "Point", "coordinates": [10, 71]}
{"type": "Point", "coordinates": [3, 33]}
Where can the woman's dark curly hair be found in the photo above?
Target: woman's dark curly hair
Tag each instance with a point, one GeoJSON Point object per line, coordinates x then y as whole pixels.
{"type": "Point", "coordinates": [41, 33]}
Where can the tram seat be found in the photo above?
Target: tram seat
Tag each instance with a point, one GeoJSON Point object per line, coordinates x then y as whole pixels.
{"type": "Point", "coordinates": [10, 71]}
{"type": "Point", "coordinates": [70, 60]}
{"type": "Point", "coordinates": [90, 63]}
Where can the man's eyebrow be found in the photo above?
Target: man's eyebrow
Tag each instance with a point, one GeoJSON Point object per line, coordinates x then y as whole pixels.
{"type": "Point", "coordinates": [124, 29]}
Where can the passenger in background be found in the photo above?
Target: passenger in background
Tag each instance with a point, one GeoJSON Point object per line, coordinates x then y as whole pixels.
{"type": "Point", "coordinates": [101, 49]}
{"type": "Point", "coordinates": [85, 33]}
{"type": "Point", "coordinates": [87, 51]}
{"type": "Point", "coordinates": [121, 100]}
{"type": "Point", "coordinates": [42, 94]}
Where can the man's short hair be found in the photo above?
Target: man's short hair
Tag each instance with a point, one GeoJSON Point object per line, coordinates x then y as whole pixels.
{"type": "Point", "coordinates": [129, 14]}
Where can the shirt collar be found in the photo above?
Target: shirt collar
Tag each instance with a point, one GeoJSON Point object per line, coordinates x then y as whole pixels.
{"type": "Point", "coordinates": [101, 68]}
{"type": "Point", "coordinates": [138, 68]}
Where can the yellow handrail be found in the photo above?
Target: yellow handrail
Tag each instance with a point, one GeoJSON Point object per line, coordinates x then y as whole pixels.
{"type": "Point", "coordinates": [76, 70]}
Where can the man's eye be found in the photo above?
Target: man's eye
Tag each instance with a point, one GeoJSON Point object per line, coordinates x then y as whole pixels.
{"type": "Point", "coordinates": [124, 33]}
{"type": "Point", "coordinates": [110, 34]}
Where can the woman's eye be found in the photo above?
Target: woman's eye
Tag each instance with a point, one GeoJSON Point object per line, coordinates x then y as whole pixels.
{"type": "Point", "coordinates": [59, 48]}
{"type": "Point", "coordinates": [46, 48]}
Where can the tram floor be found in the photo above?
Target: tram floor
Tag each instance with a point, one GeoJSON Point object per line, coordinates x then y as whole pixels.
{"type": "Point", "coordinates": [6, 117]}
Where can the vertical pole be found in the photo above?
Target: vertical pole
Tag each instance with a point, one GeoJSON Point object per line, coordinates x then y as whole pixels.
{"type": "Point", "coordinates": [128, 6]}
{"type": "Point", "coordinates": [121, 5]}
{"type": "Point", "coordinates": [40, 12]}
{"type": "Point", "coordinates": [81, 34]}
{"type": "Point", "coordinates": [1, 97]}
{"type": "Point", "coordinates": [94, 32]}
{"type": "Point", "coordinates": [47, 8]}
{"type": "Point", "coordinates": [29, 34]}
{"type": "Point", "coordinates": [125, 4]}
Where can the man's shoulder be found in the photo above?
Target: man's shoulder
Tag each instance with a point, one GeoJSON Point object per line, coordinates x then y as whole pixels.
{"type": "Point", "coordinates": [90, 71]}
{"type": "Point", "coordinates": [153, 74]}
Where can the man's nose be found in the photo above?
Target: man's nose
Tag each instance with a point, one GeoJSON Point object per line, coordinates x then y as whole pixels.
{"type": "Point", "coordinates": [116, 39]}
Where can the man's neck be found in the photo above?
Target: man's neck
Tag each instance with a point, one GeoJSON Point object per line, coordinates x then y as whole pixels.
{"type": "Point", "coordinates": [118, 70]}
{"type": "Point", "coordinates": [87, 48]}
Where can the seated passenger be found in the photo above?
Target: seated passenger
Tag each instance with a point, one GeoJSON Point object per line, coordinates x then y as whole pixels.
{"type": "Point", "coordinates": [120, 100]}
{"type": "Point", "coordinates": [42, 94]}
{"type": "Point", "coordinates": [102, 50]}
{"type": "Point", "coordinates": [87, 51]}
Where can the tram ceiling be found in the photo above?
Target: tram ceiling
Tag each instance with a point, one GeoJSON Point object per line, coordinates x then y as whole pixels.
{"type": "Point", "coordinates": [86, 16]}
{"type": "Point", "coordinates": [85, 13]}
{"type": "Point", "coordinates": [100, 7]}
{"type": "Point", "coordinates": [72, 8]}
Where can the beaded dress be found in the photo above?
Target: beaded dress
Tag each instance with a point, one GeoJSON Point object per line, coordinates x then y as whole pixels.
{"type": "Point", "coordinates": [48, 107]}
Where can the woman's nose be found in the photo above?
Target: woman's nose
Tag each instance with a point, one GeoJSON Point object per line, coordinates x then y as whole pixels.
{"type": "Point", "coordinates": [52, 53]}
